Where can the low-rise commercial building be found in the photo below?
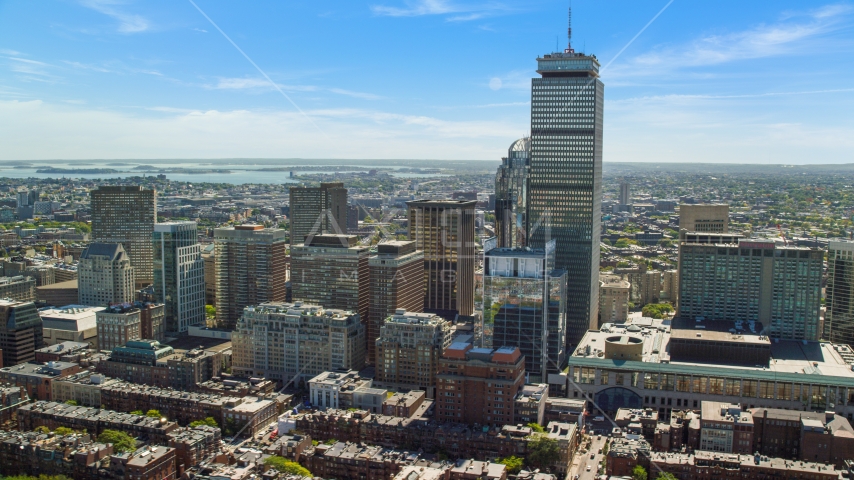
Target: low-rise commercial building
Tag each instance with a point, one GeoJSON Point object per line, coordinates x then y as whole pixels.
{"type": "Point", "coordinates": [656, 379]}
{"type": "Point", "coordinates": [84, 388]}
{"type": "Point", "coordinates": [71, 323]}
{"type": "Point", "coordinates": [36, 378]}
{"type": "Point", "coordinates": [345, 390]}
{"type": "Point", "coordinates": [60, 351]}
{"type": "Point", "coordinates": [403, 404]}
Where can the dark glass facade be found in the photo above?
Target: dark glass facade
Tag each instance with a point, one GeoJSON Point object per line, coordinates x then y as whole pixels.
{"type": "Point", "coordinates": [565, 178]}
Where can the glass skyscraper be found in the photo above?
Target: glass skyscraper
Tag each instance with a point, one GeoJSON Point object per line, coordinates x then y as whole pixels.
{"type": "Point", "coordinates": [565, 177]}
{"type": "Point", "coordinates": [511, 195]}
{"type": "Point", "coordinates": [179, 275]}
{"type": "Point", "coordinates": [524, 305]}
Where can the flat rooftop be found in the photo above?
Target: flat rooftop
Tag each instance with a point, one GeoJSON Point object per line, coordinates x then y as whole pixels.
{"type": "Point", "coordinates": [820, 360]}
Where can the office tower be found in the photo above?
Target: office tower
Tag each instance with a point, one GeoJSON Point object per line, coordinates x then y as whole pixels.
{"type": "Point", "coordinates": [126, 215]}
{"type": "Point", "coordinates": [20, 331]}
{"type": "Point", "coordinates": [478, 385]}
{"type": "Point", "coordinates": [613, 299]}
{"type": "Point", "coordinates": [704, 218]}
{"type": "Point", "coordinates": [625, 195]}
{"type": "Point", "coordinates": [105, 275]}
{"type": "Point", "coordinates": [408, 349]}
{"type": "Point", "coordinates": [444, 231]}
{"type": "Point", "coordinates": [316, 210]}
{"type": "Point", "coordinates": [118, 325]}
{"type": "Point", "coordinates": [839, 320]}
{"type": "Point", "coordinates": [565, 185]}
{"type": "Point", "coordinates": [524, 305]}
{"type": "Point", "coordinates": [332, 270]}
{"type": "Point", "coordinates": [289, 341]}
{"type": "Point", "coordinates": [179, 275]}
{"type": "Point", "coordinates": [753, 281]}
{"type": "Point", "coordinates": [397, 282]}
{"type": "Point", "coordinates": [250, 269]}
{"type": "Point", "coordinates": [511, 195]}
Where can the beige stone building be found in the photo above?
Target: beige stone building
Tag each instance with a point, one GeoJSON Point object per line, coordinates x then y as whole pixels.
{"type": "Point", "coordinates": [613, 299]}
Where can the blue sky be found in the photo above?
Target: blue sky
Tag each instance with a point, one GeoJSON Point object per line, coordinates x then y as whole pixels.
{"type": "Point", "coordinates": [724, 81]}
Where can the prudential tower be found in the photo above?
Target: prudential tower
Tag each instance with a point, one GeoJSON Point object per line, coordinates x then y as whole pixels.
{"type": "Point", "coordinates": [565, 179]}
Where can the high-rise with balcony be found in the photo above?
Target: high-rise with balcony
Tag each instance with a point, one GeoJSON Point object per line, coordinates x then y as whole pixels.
{"type": "Point", "coordinates": [397, 282]}
{"type": "Point", "coordinates": [839, 321]}
{"type": "Point", "coordinates": [316, 210]}
{"type": "Point", "coordinates": [250, 269]}
{"type": "Point", "coordinates": [126, 215]}
{"type": "Point", "coordinates": [565, 185]}
{"type": "Point", "coordinates": [524, 305]}
{"type": "Point", "coordinates": [444, 231]}
{"type": "Point", "coordinates": [179, 275]}
{"type": "Point", "coordinates": [408, 350]}
{"type": "Point", "coordinates": [105, 275]}
{"type": "Point", "coordinates": [332, 270]}
{"type": "Point", "coordinates": [511, 195]}
{"type": "Point", "coordinates": [288, 341]}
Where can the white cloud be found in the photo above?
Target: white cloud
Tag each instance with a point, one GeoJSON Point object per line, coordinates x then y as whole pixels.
{"type": "Point", "coordinates": [128, 23]}
{"type": "Point", "coordinates": [31, 70]}
{"type": "Point", "coordinates": [783, 38]}
{"type": "Point", "coordinates": [350, 93]}
{"type": "Point", "coordinates": [459, 12]}
{"type": "Point", "coordinates": [201, 30]}
{"type": "Point", "coordinates": [14, 53]}
{"type": "Point", "coordinates": [83, 66]}
{"type": "Point", "coordinates": [249, 83]}
{"type": "Point", "coordinates": [38, 130]}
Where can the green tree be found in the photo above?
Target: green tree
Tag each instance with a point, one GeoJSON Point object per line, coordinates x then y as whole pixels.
{"type": "Point", "coordinates": [543, 452]}
{"type": "Point", "coordinates": [639, 473]}
{"type": "Point", "coordinates": [73, 403]}
{"type": "Point", "coordinates": [62, 431]}
{"type": "Point", "coordinates": [513, 463]}
{"type": "Point", "coordinates": [122, 442]}
{"type": "Point", "coordinates": [536, 427]}
{"type": "Point", "coordinates": [42, 429]}
{"type": "Point", "coordinates": [210, 311]}
{"type": "Point", "coordinates": [623, 243]}
{"type": "Point", "coordinates": [286, 466]}
{"type": "Point", "coordinates": [209, 421]}
{"type": "Point", "coordinates": [153, 414]}
{"type": "Point", "coordinates": [665, 476]}
{"type": "Point", "coordinates": [331, 441]}
{"type": "Point", "coordinates": [137, 412]}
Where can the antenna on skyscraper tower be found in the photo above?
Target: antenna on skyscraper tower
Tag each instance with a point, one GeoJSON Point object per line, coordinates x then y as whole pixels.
{"type": "Point", "coordinates": [569, 31]}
